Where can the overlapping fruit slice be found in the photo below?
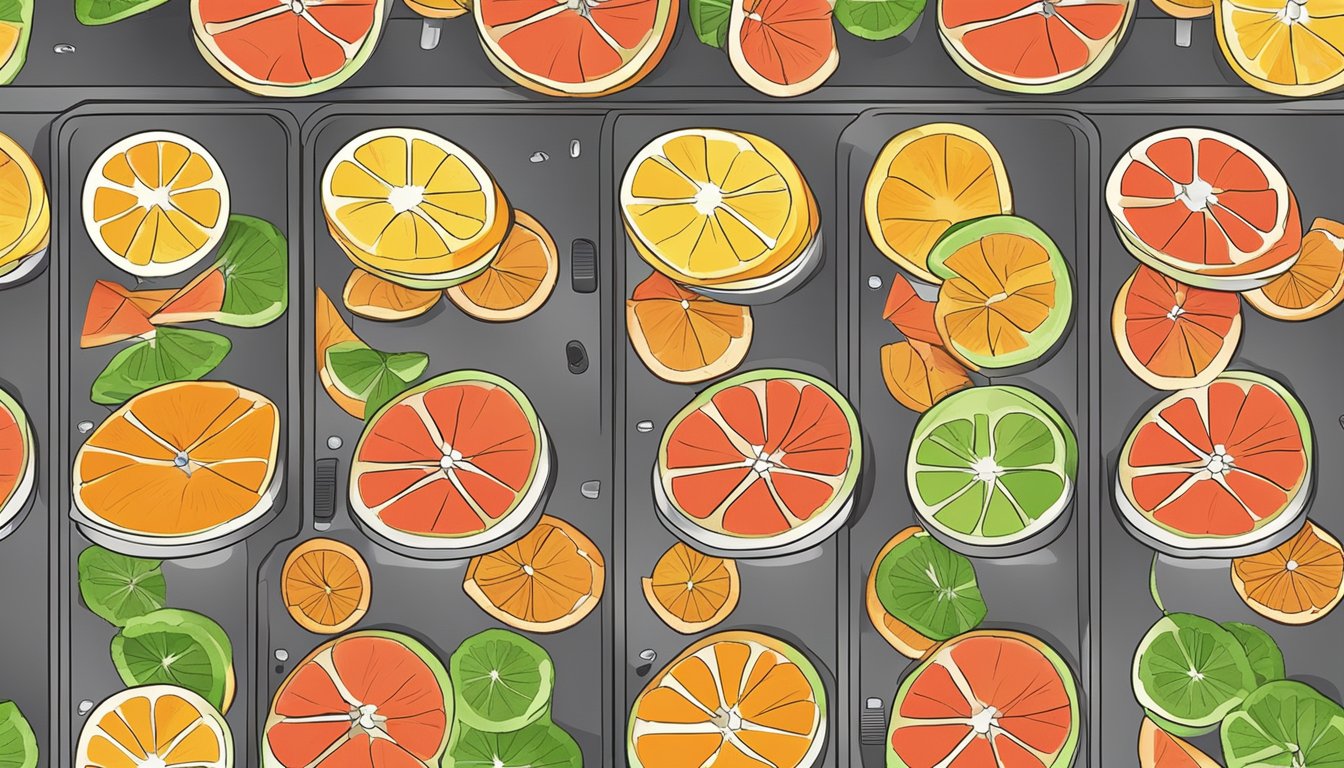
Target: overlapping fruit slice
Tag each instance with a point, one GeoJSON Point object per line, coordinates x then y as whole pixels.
{"type": "Point", "coordinates": [518, 281]}
{"type": "Point", "coordinates": [457, 461]}
{"type": "Point", "coordinates": [1189, 673]}
{"type": "Point", "coordinates": [375, 699]}
{"type": "Point", "coordinates": [18, 469]}
{"type": "Point", "coordinates": [25, 214]}
{"type": "Point", "coordinates": [376, 298]}
{"type": "Point", "coordinates": [587, 48]}
{"type": "Point", "coordinates": [1298, 582]}
{"type": "Point", "coordinates": [1174, 335]}
{"type": "Point", "coordinates": [287, 48]}
{"type": "Point", "coordinates": [1205, 208]}
{"type": "Point", "coordinates": [682, 336]}
{"type": "Point", "coordinates": [920, 593]}
{"type": "Point", "coordinates": [763, 462]}
{"type": "Point", "coordinates": [1033, 46]}
{"type": "Point", "coordinates": [1285, 47]}
{"type": "Point", "coordinates": [1219, 470]}
{"type": "Point", "coordinates": [152, 726]}
{"type": "Point", "coordinates": [1314, 284]}
{"type": "Point", "coordinates": [18, 742]}
{"type": "Point", "coordinates": [782, 47]}
{"type": "Point", "coordinates": [1159, 749]}
{"type": "Point", "coordinates": [731, 699]}
{"type": "Point", "coordinates": [991, 698]}
{"type": "Point", "coordinates": [691, 591]}
{"type": "Point", "coordinates": [16, 25]}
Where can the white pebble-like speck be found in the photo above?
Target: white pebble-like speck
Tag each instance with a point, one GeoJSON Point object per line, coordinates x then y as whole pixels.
{"type": "Point", "coordinates": [335, 442]}
{"type": "Point", "coordinates": [281, 654]}
{"type": "Point", "coordinates": [84, 427]}
{"type": "Point", "coordinates": [644, 426]}
{"type": "Point", "coordinates": [874, 282]}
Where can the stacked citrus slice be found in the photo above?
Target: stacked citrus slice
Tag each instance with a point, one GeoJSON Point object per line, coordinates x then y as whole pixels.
{"type": "Point", "coordinates": [1174, 335]}
{"type": "Point", "coordinates": [782, 47]}
{"type": "Point", "coordinates": [25, 215]}
{"type": "Point", "coordinates": [1286, 47]}
{"type": "Point", "coordinates": [725, 213]}
{"type": "Point", "coordinates": [155, 725]}
{"type": "Point", "coordinates": [518, 281]}
{"type": "Point", "coordinates": [920, 593]}
{"type": "Point", "coordinates": [1314, 284]}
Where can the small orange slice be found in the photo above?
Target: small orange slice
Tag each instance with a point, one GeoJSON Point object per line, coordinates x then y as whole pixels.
{"type": "Point", "coordinates": [919, 374]}
{"type": "Point", "coordinates": [682, 336]}
{"type": "Point", "coordinates": [1297, 582]}
{"type": "Point", "coordinates": [547, 581]}
{"type": "Point", "coordinates": [1314, 284]}
{"type": "Point", "coordinates": [372, 297]}
{"type": "Point", "coordinates": [326, 586]}
{"type": "Point", "coordinates": [691, 591]}
{"type": "Point", "coordinates": [518, 281]}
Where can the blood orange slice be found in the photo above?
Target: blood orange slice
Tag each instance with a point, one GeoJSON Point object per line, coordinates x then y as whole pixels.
{"type": "Point", "coordinates": [288, 48]}
{"type": "Point", "coordinates": [1033, 46]}
{"type": "Point", "coordinates": [782, 47]}
{"type": "Point", "coordinates": [1159, 749]}
{"type": "Point", "coordinates": [583, 48]}
{"type": "Point", "coordinates": [759, 464]}
{"type": "Point", "coordinates": [371, 699]}
{"type": "Point", "coordinates": [1223, 470]}
{"type": "Point", "coordinates": [993, 698]}
{"type": "Point", "coordinates": [1205, 208]}
{"type": "Point", "coordinates": [457, 462]}
{"type": "Point", "coordinates": [1174, 335]}
{"type": "Point", "coordinates": [17, 468]}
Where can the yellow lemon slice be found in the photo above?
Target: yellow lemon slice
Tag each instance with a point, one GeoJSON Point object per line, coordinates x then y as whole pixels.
{"type": "Point", "coordinates": [1285, 47]}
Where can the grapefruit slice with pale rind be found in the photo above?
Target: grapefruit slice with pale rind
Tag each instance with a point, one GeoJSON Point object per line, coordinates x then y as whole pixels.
{"type": "Point", "coordinates": [1314, 284]}
{"type": "Point", "coordinates": [1223, 470]}
{"type": "Point", "coordinates": [18, 470]}
{"type": "Point", "coordinates": [991, 698]}
{"type": "Point", "coordinates": [1174, 335]}
{"type": "Point", "coordinates": [375, 699]}
{"type": "Point", "coordinates": [287, 48]}
{"type": "Point", "coordinates": [731, 699]}
{"type": "Point", "coordinates": [1206, 208]}
{"type": "Point", "coordinates": [1033, 46]}
{"type": "Point", "coordinates": [763, 462]}
{"type": "Point", "coordinates": [456, 462]}
{"type": "Point", "coordinates": [154, 726]}
{"type": "Point", "coordinates": [584, 48]}
{"type": "Point", "coordinates": [782, 47]}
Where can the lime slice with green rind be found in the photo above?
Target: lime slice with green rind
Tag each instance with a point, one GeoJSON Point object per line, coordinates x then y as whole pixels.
{"type": "Point", "coordinates": [16, 27]}
{"type": "Point", "coordinates": [540, 745]}
{"type": "Point", "coordinates": [371, 376]}
{"type": "Point", "coordinates": [1189, 673]}
{"type": "Point", "coordinates": [120, 588]}
{"type": "Point", "coordinates": [1261, 651]}
{"type": "Point", "coordinates": [503, 681]}
{"type": "Point", "coordinates": [99, 12]}
{"type": "Point", "coordinates": [176, 647]}
{"type": "Point", "coordinates": [992, 469]}
{"type": "Point", "coordinates": [709, 19]}
{"type": "Point", "coordinates": [18, 743]}
{"type": "Point", "coordinates": [930, 588]}
{"type": "Point", "coordinates": [878, 19]}
{"type": "Point", "coordinates": [1284, 723]}
{"type": "Point", "coordinates": [173, 354]}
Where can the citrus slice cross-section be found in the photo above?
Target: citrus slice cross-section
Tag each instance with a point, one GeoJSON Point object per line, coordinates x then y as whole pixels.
{"type": "Point", "coordinates": [1159, 749]}
{"type": "Point", "coordinates": [1220, 470]}
{"type": "Point", "coordinates": [287, 48]}
{"type": "Point", "coordinates": [16, 25]}
{"type": "Point", "coordinates": [1033, 46]}
{"type": "Point", "coordinates": [18, 742]}
{"type": "Point", "coordinates": [782, 47]}
{"type": "Point", "coordinates": [119, 588]}
{"type": "Point", "coordinates": [518, 281]}
{"type": "Point", "coordinates": [458, 461]}
{"type": "Point", "coordinates": [992, 470]}
{"type": "Point", "coordinates": [176, 647]}
{"type": "Point", "coordinates": [542, 744]}
{"type": "Point", "coordinates": [987, 698]}
{"type": "Point", "coordinates": [731, 699]}
{"type": "Point", "coordinates": [376, 298]}
{"type": "Point", "coordinates": [246, 287]}
{"type": "Point", "coordinates": [326, 586]}
{"type": "Point", "coordinates": [691, 591]}
{"type": "Point", "coordinates": [1284, 723]}
{"type": "Point", "coordinates": [920, 593]}
{"type": "Point", "coordinates": [25, 213]}
{"type": "Point", "coordinates": [1298, 582]}
{"type": "Point", "coordinates": [155, 725]}
{"type": "Point", "coordinates": [1289, 48]}
{"type": "Point", "coordinates": [413, 207]}
{"type": "Point", "coordinates": [377, 699]}
{"type": "Point", "coordinates": [155, 203]}
{"type": "Point", "coordinates": [761, 463]}
{"type": "Point", "coordinates": [182, 464]}
{"type": "Point", "coordinates": [18, 468]}
{"type": "Point", "coordinates": [1314, 284]}
{"type": "Point", "coordinates": [502, 680]}
{"type": "Point", "coordinates": [1206, 208]}
{"type": "Point", "coordinates": [586, 48]}
{"type": "Point", "coordinates": [684, 337]}
{"type": "Point", "coordinates": [927, 180]}
{"type": "Point", "coordinates": [1174, 335]}
{"type": "Point", "coordinates": [918, 375]}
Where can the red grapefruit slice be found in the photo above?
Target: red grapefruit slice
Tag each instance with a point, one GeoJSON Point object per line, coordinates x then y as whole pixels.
{"type": "Point", "coordinates": [369, 699]}
{"type": "Point", "coordinates": [986, 699]}
{"type": "Point", "coordinates": [583, 48]}
{"type": "Point", "coordinates": [782, 47]}
{"type": "Point", "coordinates": [1223, 470]}
{"type": "Point", "coordinates": [17, 468]}
{"type": "Point", "coordinates": [1174, 335]}
{"type": "Point", "coordinates": [1033, 46]}
{"type": "Point", "coordinates": [456, 462]}
{"type": "Point", "coordinates": [289, 48]}
{"type": "Point", "coordinates": [1205, 208]}
{"type": "Point", "coordinates": [760, 464]}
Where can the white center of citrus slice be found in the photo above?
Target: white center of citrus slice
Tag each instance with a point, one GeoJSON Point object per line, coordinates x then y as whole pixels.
{"type": "Point", "coordinates": [153, 198]}
{"type": "Point", "coordinates": [368, 717]}
{"type": "Point", "coordinates": [982, 721]}
{"type": "Point", "coordinates": [1175, 312]}
{"type": "Point", "coordinates": [1197, 195]}
{"type": "Point", "coordinates": [986, 470]}
{"type": "Point", "coordinates": [403, 199]}
{"type": "Point", "coordinates": [296, 6]}
{"type": "Point", "coordinates": [685, 304]}
{"type": "Point", "coordinates": [1195, 674]}
{"type": "Point", "coordinates": [153, 761]}
{"type": "Point", "coordinates": [1220, 463]}
{"type": "Point", "coordinates": [1295, 12]}
{"type": "Point", "coordinates": [1292, 565]}
{"type": "Point", "coordinates": [708, 198]}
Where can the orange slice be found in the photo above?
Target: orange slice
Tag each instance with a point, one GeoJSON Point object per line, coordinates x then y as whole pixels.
{"type": "Point", "coordinates": [547, 581]}
{"type": "Point", "coordinates": [691, 591]}
{"type": "Point", "coordinates": [1298, 582]}
{"type": "Point", "coordinates": [1291, 48]}
{"type": "Point", "coordinates": [331, 329]}
{"type": "Point", "coordinates": [440, 9]}
{"type": "Point", "coordinates": [1314, 284]}
{"type": "Point", "coordinates": [685, 337]}
{"type": "Point", "coordinates": [912, 316]}
{"type": "Point", "coordinates": [1185, 9]}
{"type": "Point", "coordinates": [782, 47]}
{"type": "Point", "coordinates": [153, 726]}
{"type": "Point", "coordinates": [325, 585]}
{"type": "Point", "coordinates": [372, 297]}
{"type": "Point", "coordinates": [1159, 749]}
{"type": "Point", "coordinates": [919, 374]}
{"type": "Point", "coordinates": [1174, 335]}
{"type": "Point", "coordinates": [25, 216]}
{"type": "Point", "coordinates": [518, 281]}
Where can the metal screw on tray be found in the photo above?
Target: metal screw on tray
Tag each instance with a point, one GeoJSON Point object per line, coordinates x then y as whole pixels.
{"type": "Point", "coordinates": [644, 426]}
{"type": "Point", "coordinates": [648, 656]}
{"type": "Point", "coordinates": [874, 282]}
{"type": "Point", "coordinates": [574, 148]}
{"type": "Point", "coordinates": [1183, 31]}
{"type": "Point", "coordinates": [591, 489]}
{"type": "Point", "coordinates": [539, 157]}
{"type": "Point", "coordinates": [335, 442]}
{"type": "Point", "coordinates": [1341, 421]}
{"type": "Point", "coordinates": [61, 48]}
{"type": "Point", "coordinates": [281, 654]}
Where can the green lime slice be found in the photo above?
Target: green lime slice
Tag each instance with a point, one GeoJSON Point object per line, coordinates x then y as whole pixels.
{"type": "Point", "coordinates": [1189, 673]}
{"type": "Point", "coordinates": [709, 18]}
{"type": "Point", "coordinates": [173, 354]}
{"type": "Point", "coordinates": [16, 26]}
{"type": "Point", "coordinates": [992, 468]}
{"type": "Point", "coordinates": [503, 681]}
{"type": "Point", "coordinates": [1261, 651]}
{"type": "Point", "coordinates": [930, 588]}
{"type": "Point", "coordinates": [246, 287]}
{"type": "Point", "coordinates": [176, 647]}
{"type": "Point", "coordinates": [120, 588]}
{"type": "Point", "coordinates": [18, 743]}
{"type": "Point", "coordinates": [371, 376]}
{"type": "Point", "coordinates": [539, 745]}
{"type": "Point", "coordinates": [1284, 723]}
{"type": "Point", "coordinates": [878, 19]}
{"type": "Point", "coordinates": [97, 12]}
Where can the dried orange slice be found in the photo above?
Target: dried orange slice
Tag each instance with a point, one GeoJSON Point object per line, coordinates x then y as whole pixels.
{"type": "Point", "coordinates": [331, 329]}
{"type": "Point", "coordinates": [375, 298]}
{"type": "Point", "coordinates": [1159, 749]}
{"type": "Point", "coordinates": [440, 9]}
{"type": "Point", "coordinates": [1314, 284]}
{"type": "Point", "coordinates": [1174, 335]}
{"type": "Point", "coordinates": [1297, 582]}
{"type": "Point", "coordinates": [912, 315]}
{"type": "Point", "coordinates": [1185, 9]}
{"type": "Point", "coordinates": [782, 47]}
{"type": "Point", "coordinates": [155, 203]}
{"type": "Point", "coordinates": [152, 726]}
{"type": "Point", "coordinates": [682, 336]}
{"type": "Point", "coordinates": [326, 586]}
{"type": "Point", "coordinates": [518, 281]}
{"type": "Point", "coordinates": [547, 581]}
{"type": "Point", "coordinates": [25, 215]}
{"type": "Point", "coordinates": [919, 374]}
{"type": "Point", "coordinates": [691, 591]}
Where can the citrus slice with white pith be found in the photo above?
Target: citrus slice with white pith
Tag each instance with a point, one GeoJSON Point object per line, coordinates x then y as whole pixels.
{"type": "Point", "coordinates": [155, 726]}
